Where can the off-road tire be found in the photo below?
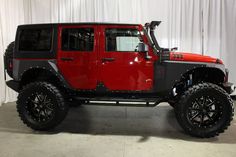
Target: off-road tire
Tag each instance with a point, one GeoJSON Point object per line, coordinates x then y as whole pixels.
{"type": "Point", "coordinates": [57, 105]}
{"type": "Point", "coordinates": [8, 58]}
{"type": "Point", "coordinates": [221, 98]}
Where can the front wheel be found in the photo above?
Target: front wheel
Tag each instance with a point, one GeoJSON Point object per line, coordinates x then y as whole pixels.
{"type": "Point", "coordinates": [41, 106]}
{"type": "Point", "coordinates": [204, 110]}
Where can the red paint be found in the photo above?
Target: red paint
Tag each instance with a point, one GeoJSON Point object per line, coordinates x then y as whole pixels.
{"type": "Point", "coordinates": [129, 70]}
{"type": "Point", "coordinates": [190, 57]}
{"type": "Point", "coordinates": [81, 73]}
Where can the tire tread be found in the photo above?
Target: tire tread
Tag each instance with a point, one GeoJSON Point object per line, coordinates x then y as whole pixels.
{"type": "Point", "coordinates": [60, 102]}
{"type": "Point", "coordinates": [191, 91]}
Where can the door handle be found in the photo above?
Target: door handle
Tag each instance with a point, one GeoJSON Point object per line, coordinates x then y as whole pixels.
{"type": "Point", "coordinates": [108, 59]}
{"type": "Point", "coordinates": [67, 59]}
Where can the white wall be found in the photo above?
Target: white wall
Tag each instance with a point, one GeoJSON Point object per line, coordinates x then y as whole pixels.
{"type": "Point", "coordinates": [182, 23]}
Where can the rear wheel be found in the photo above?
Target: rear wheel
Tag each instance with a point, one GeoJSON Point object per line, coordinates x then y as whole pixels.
{"type": "Point", "coordinates": [204, 110]}
{"type": "Point", "coordinates": [8, 59]}
{"type": "Point", "coordinates": [41, 106]}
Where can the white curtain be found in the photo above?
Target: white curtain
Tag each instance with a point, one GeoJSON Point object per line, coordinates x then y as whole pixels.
{"type": "Point", "coordinates": [200, 26]}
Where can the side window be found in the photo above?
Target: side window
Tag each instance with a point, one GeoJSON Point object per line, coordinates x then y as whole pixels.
{"type": "Point", "coordinates": [122, 39]}
{"type": "Point", "coordinates": [35, 39]}
{"type": "Point", "coordinates": [77, 39]}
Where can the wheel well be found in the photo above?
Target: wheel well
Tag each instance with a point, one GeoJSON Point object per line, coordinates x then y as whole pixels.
{"type": "Point", "coordinates": [195, 76]}
{"type": "Point", "coordinates": [212, 75]}
{"type": "Point", "coordinates": [38, 74]}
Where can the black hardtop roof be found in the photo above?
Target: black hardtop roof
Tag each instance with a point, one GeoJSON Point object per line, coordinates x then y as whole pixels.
{"type": "Point", "coordinates": [77, 23]}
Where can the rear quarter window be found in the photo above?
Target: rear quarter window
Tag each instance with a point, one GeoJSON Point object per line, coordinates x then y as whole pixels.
{"type": "Point", "coordinates": [35, 39]}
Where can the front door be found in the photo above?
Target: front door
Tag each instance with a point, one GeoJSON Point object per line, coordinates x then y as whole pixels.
{"type": "Point", "coordinates": [122, 68]}
{"type": "Point", "coordinates": [77, 55]}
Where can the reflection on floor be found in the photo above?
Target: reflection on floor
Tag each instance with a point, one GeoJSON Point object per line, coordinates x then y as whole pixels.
{"type": "Point", "coordinates": [110, 131]}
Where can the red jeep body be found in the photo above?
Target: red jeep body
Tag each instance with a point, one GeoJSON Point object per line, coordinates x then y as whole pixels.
{"type": "Point", "coordinates": [116, 71]}
{"type": "Point", "coordinates": [57, 63]}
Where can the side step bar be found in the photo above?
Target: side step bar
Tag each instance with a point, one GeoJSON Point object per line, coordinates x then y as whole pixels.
{"type": "Point", "coordinates": [121, 101]}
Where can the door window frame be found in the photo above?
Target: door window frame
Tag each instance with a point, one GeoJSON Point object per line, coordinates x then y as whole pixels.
{"type": "Point", "coordinates": [138, 27]}
{"type": "Point", "coordinates": [94, 27]}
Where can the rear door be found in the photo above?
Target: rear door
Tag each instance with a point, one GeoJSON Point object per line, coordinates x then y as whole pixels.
{"type": "Point", "coordinates": [122, 68]}
{"type": "Point", "coordinates": [77, 55]}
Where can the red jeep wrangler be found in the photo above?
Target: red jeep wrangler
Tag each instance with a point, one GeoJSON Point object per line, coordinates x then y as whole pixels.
{"type": "Point", "coordinates": [52, 64]}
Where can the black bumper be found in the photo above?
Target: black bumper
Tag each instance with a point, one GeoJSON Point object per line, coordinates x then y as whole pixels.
{"type": "Point", "coordinates": [13, 85]}
{"type": "Point", "coordinates": [229, 87]}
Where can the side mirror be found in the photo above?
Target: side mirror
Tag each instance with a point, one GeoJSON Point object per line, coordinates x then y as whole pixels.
{"type": "Point", "coordinates": [142, 47]}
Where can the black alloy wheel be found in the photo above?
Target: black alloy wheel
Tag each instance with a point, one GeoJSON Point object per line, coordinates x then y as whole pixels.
{"type": "Point", "coordinates": [41, 106]}
{"type": "Point", "coordinates": [204, 110]}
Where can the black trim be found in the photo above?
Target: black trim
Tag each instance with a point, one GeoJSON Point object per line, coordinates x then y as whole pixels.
{"type": "Point", "coordinates": [165, 56]}
{"type": "Point", "coordinates": [13, 85]}
{"type": "Point", "coordinates": [168, 73]}
{"type": "Point", "coordinates": [101, 88]}
{"type": "Point", "coordinates": [23, 66]}
{"type": "Point", "coordinates": [36, 54]}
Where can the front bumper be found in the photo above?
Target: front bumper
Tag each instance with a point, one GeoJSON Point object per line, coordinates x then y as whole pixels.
{"type": "Point", "coordinates": [229, 87]}
{"type": "Point", "coordinates": [13, 85]}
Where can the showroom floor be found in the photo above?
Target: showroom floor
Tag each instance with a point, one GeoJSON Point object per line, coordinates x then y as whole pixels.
{"type": "Point", "coordinates": [108, 131]}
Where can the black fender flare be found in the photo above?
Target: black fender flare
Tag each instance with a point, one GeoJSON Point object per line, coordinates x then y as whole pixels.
{"type": "Point", "coordinates": [23, 67]}
{"type": "Point", "coordinates": [169, 73]}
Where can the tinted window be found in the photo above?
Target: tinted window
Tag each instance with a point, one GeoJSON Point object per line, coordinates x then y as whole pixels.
{"type": "Point", "coordinates": [120, 39]}
{"type": "Point", "coordinates": [77, 39]}
{"type": "Point", "coordinates": [35, 39]}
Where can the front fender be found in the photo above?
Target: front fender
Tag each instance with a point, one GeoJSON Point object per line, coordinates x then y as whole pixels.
{"type": "Point", "coordinates": [168, 73]}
